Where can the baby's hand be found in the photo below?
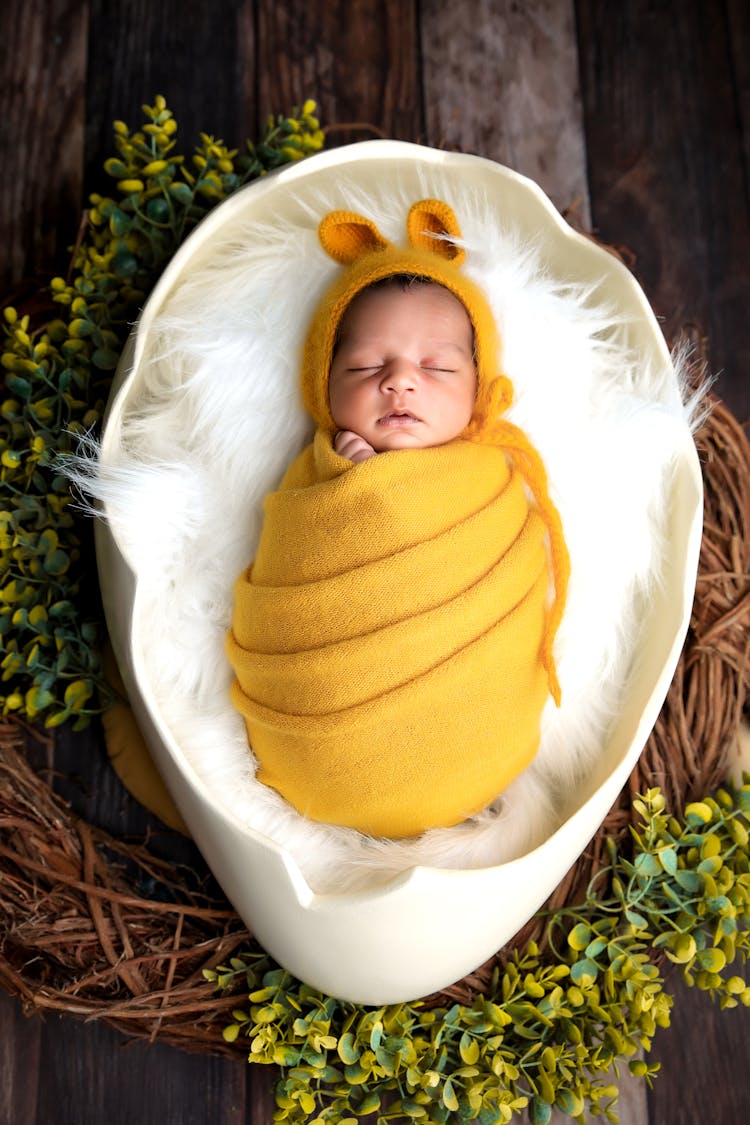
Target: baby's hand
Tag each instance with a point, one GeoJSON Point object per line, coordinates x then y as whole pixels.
{"type": "Point", "coordinates": [351, 445]}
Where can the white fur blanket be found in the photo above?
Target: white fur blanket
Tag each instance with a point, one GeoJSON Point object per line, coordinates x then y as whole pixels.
{"type": "Point", "coordinates": [215, 419]}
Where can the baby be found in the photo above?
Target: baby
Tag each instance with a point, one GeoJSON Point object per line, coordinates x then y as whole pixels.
{"type": "Point", "coordinates": [392, 639]}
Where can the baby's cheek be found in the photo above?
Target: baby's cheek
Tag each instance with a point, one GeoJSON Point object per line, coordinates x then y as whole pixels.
{"type": "Point", "coordinates": [337, 399]}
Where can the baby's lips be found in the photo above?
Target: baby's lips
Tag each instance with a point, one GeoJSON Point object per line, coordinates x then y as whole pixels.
{"type": "Point", "coordinates": [394, 415]}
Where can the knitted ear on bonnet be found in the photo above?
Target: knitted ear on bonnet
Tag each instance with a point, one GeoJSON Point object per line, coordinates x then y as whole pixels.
{"type": "Point", "coordinates": [434, 252]}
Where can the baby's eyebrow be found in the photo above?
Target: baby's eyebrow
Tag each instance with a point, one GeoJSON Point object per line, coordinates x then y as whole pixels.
{"type": "Point", "coordinates": [353, 342]}
{"type": "Point", "coordinates": [450, 344]}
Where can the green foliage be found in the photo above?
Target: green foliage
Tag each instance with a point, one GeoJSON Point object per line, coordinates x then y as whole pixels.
{"type": "Point", "coordinates": [553, 1028]}
{"type": "Point", "coordinates": [692, 882]}
{"type": "Point", "coordinates": [56, 382]}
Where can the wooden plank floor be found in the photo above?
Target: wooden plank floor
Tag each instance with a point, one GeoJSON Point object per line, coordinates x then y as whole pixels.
{"type": "Point", "coordinates": [636, 114]}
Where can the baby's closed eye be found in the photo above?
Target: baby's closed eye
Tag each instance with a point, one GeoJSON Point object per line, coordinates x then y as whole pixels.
{"type": "Point", "coordinates": [441, 367]}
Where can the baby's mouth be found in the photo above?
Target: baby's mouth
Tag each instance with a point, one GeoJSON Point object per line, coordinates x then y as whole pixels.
{"type": "Point", "coordinates": [398, 418]}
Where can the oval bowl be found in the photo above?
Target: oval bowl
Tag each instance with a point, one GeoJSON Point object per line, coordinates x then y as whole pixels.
{"type": "Point", "coordinates": [420, 931]}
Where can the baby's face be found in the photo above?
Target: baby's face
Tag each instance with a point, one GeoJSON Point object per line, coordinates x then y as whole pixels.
{"type": "Point", "coordinates": [403, 375]}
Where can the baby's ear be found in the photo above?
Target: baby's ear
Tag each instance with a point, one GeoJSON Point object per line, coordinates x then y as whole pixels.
{"type": "Point", "coordinates": [346, 236]}
{"type": "Point", "coordinates": [430, 218]}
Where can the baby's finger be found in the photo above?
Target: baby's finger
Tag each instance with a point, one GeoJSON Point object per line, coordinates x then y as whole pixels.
{"type": "Point", "coordinates": [346, 441]}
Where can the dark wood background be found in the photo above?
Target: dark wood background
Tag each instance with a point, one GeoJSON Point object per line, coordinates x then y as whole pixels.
{"type": "Point", "coordinates": [635, 114]}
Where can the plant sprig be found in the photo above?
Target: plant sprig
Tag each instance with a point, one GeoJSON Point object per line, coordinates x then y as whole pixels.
{"type": "Point", "coordinates": [554, 1027]}
{"type": "Point", "coordinates": [56, 382]}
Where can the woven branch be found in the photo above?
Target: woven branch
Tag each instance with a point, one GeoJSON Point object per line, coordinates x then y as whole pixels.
{"type": "Point", "coordinates": [80, 934]}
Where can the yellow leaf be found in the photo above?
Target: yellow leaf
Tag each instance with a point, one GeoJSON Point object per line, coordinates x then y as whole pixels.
{"type": "Point", "coordinates": [128, 187]}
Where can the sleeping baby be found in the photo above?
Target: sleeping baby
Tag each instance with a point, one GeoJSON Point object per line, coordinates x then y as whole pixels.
{"type": "Point", "coordinates": [392, 639]}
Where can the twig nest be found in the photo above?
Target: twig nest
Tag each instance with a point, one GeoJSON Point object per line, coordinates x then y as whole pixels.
{"type": "Point", "coordinates": [61, 952]}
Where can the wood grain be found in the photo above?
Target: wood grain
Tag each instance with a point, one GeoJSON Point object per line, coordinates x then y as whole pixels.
{"type": "Point", "coordinates": [705, 1059]}
{"type": "Point", "coordinates": [19, 1063]}
{"type": "Point", "coordinates": [261, 1105]}
{"type": "Point", "coordinates": [501, 80]}
{"type": "Point", "coordinates": [91, 1075]}
{"type": "Point", "coordinates": [738, 27]}
{"type": "Point", "coordinates": [667, 176]}
{"type": "Point", "coordinates": [42, 90]}
{"type": "Point", "coordinates": [631, 1109]}
{"type": "Point", "coordinates": [668, 165]}
{"type": "Point", "coordinates": [95, 1073]}
{"type": "Point", "coordinates": [666, 107]}
{"type": "Point", "coordinates": [358, 58]}
{"type": "Point", "coordinates": [201, 57]}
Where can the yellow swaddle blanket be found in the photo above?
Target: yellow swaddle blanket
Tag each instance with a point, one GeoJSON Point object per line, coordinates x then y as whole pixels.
{"type": "Point", "coordinates": [386, 640]}
{"type": "Point", "coordinates": [392, 641]}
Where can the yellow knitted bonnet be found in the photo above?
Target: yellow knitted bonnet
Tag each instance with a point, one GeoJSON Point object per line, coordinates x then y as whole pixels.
{"type": "Point", "coordinates": [434, 253]}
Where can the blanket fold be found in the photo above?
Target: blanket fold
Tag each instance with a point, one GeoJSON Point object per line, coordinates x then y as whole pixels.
{"type": "Point", "coordinates": [387, 639]}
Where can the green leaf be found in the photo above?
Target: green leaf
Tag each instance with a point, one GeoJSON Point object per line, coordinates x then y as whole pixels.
{"type": "Point", "coordinates": [348, 1050]}
{"type": "Point", "coordinates": [56, 719]}
{"type": "Point", "coordinates": [412, 1108]}
{"type": "Point", "coordinates": [77, 694]}
{"type": "Point", "coordinates": [307, 1102]}
{"type": "Point", "coordinates": [115, 168]}
{"type": "Point", "coordinates": [450, 1101]}
{"type": "Point", "coordinates": [584, 971]}
{"type": "Point", "coordinates": [739, 833]}
{"type": "Point", "coordinates": [540, 1111]}
{"type": "Point", "coordinates": [119, 222]}
{"type": "Point", "coordinates": [124, 264]}
{"type": "Point", "coordinates": [356, 1074]}
{"type": "Point", "coordinates": [56, 562]}
{"type": "Point", "coordinates": [376, 1035]}
{"type": "Point", "coordinates": [468, 1049]}
{"type": "Point", "coordinates": [698, 813]}
{"type": "Point", "coordinates": [158, 210]}
{"type": "Point", "coordinates": [48, 540]}
{"type": "Point", "coordinates": [105, 359]}
{"type": "Point", "coordinates": [712, 960]}
{"type": "Point", "coordinates": [710, 866]}
{"type": "Point", "coordinates": [61, 609]}
{"type": "Point", "coordinates": [689, 881]}
{"type": "Point", "coordinates": [569, 1102]}
{"type": "Point", "coordinates": [579, 937]}
{"type": "Point", "coordinates": [727, 926]}
{"type": "Point", "coordinates": [647, 864]}
{"type": "Point", "coordinates": [595, 947]}
{"type": "Point", "coordinates": [683, 949]}
{"type": "Point", "coordinates": [19, 386]}
{"type": "Point", "coordinates": [668, 859]}
{"type": "Point", "coordinates": [182, 193]}
{"type": "Point", "coordinates": [284, 1055]}
{"type": "Point", "coordinates": [369, 1104]}
{"type": "Point", "coordinates": [719, 904]}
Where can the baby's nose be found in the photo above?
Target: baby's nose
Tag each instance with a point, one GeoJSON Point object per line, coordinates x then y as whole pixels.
{"type": "Point", "coordinates": [400, 375]}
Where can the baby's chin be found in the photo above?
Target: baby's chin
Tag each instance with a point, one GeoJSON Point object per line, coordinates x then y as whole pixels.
{"type": "Point", "coordinates": [408, 439]}
{"type": "Point", "coordinates": [401, 439]}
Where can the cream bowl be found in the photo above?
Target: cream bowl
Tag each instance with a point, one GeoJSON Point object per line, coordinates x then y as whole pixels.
{"type": "Point", "coordinates": [420, 931]}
